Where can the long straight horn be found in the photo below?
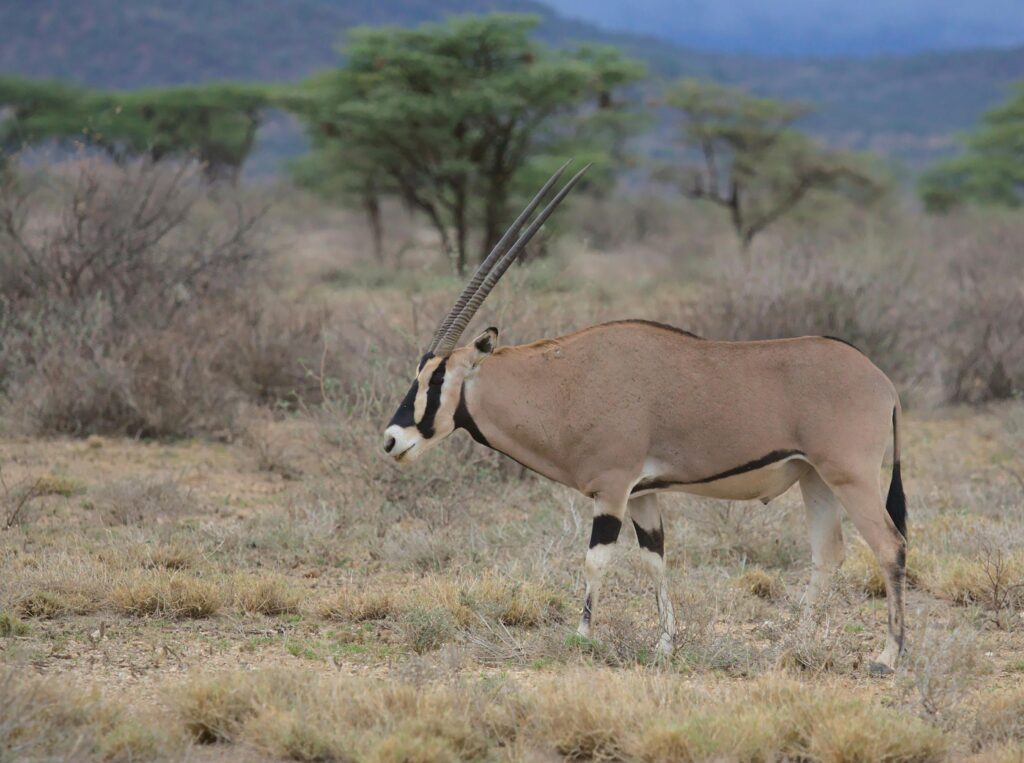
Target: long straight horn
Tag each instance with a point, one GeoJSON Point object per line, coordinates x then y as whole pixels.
{"type": "Point", "coordinates": [447, 342]}
{"type": "Point", "coordinates": [499, 249]}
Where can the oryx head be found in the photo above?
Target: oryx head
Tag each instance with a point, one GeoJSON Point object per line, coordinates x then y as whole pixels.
{"type": "Point", "coordinates": [427, 413]}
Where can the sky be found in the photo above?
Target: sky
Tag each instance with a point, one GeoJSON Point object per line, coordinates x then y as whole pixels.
{"type": "Point", "coordinates": [813, 27]}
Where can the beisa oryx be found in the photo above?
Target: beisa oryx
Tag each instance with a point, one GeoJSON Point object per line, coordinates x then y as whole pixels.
{"type": "Point", "coordinates": [625, 410]}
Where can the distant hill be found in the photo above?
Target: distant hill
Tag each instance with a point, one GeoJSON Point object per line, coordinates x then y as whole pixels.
{"type": "Point", "coordinates": [906, 107]}
{"type": "Point", "coordinates": [811, 27]}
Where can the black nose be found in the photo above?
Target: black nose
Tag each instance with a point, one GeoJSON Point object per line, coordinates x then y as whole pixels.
{"type": "Point", "coordinates": [389, 445]}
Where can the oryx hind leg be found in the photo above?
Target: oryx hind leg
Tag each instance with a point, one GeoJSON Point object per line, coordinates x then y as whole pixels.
{"type": "Point", "coordinates": [646, 516]}
{"type": "Point", "coordinates": [824, 527]}
{"type": "Point", "coordinates": [609, 511]}
{"type": "Point", "coordinates": [861, 496]}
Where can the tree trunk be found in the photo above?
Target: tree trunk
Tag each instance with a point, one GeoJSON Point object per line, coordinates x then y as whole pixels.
{"type": "Point", "coordinates": [494, 212]}
{"type": "Point", "coordinates": [371, 205]}
{"type": "Point", "coordinates": [460, 237]}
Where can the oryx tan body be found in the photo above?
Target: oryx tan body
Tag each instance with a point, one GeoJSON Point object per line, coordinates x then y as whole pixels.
{"type": "Point", "coordinates": [604, 408]}
{"type": "Point", "coordinates": [625, 410]}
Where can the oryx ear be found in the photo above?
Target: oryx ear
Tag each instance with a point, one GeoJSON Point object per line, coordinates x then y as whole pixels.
{"type": "Point", "coordinates": [486, 342]}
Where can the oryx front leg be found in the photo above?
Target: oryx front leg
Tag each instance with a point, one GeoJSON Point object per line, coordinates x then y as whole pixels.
{"type": "Point", "coordinates": [650, 534]}
{"type": "Point", "coordinates": [608, 516]}
{"type": "Point", "coordinates": [824, 526]}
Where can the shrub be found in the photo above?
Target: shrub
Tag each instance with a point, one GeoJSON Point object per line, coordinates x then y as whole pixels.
{"type": "Point", "coordinates": [107, 322]}
{"type": "Point", "coordinates": [425, 629]}
{"type": "Point", "coordinates": [135, 501]}
{"type": "Point", "coordinates": [357, 605]}
{"type": "Point", "coordinates": [167, 593]}
{"type": "Point", "coordinates": [266, 594]}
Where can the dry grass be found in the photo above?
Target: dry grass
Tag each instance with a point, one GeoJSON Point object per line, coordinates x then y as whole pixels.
{"type": "Point", "coordinates": [581, 715]}
{"type": "Point", "coordinates": [170, 594]}
{"type": "Point", "coordinates": [1000, 720]}
{"type": "Point", "coordinates": [134, 501]}
{"type": "Point", "coordinates": [358, 605]}
{"type": "Point", "coordinates": [42, 722]}
{"type": "Point", "coordinates": [266, 595]}
{"type": "Point", "coordinates": [759, 583]}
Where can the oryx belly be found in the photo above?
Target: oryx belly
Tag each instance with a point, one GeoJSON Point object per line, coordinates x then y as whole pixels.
{"type": "Point", "coordinates": [764, 479]}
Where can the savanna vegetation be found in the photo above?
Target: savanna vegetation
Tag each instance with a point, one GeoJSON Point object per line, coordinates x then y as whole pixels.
{"type": "Point", "coordinates": [204, 556]}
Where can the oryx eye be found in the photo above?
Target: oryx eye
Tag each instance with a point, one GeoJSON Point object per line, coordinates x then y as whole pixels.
{"type": "Point", "coordinates": [437, 378]}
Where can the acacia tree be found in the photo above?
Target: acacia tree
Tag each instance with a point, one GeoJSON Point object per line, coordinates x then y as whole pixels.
{"type": "Point", "coordinates": [215, 124]}
{"type": "Point", "coordinates": [451, 114]}
{"type": "Point", "coordinates": [991, 172]}
{"type": "Point", "coordinates": [752, 161]}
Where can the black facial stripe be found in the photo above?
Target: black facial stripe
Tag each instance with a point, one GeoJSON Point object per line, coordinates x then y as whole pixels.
{"type": "Point", "coordinates": [605, 530]}
{"type": "Point", "coordinates": [652, 541]}
{"type": "Point", "coordinates": [426, 424]}
{"type": "Point", "coordinates": [655, 483]}
{"type": "Point", "coordinates": [405, 416]}
{"type": "Point", "coordinates": [423, 361]}
{"type": "Point", "coordinates": [463, 419]}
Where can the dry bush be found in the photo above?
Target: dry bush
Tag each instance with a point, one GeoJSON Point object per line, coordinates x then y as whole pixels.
{"type": "Point", "coordinates": [987, 572]}
{"type": "Point", "coordinates": [171, 594]}
{"type": "Point", "coordinates": [11, 626]}
{"type": "Point", "coordinates": [797, 294]}
{"type": "Point", "coordinates": [358, 605]}
{"type": "Point", "coordinates": [999, 720]}
{"type": "Point", "coordinates": [108, 283]}
{"type": "Point", "coordinates": [985, 343]}
{"type": "Point", "coordinates": [939, 669]}
{"type": "Point", "coordinates": [759, 583]}
{"type": "Point", "coordinates": [769, 536]}
{"type": "Point", "coordinates": [861, 568]}
{"type": "Point", "coordinates": [265, 594]}
{"type": "Point", "coordinates": [622, 716]}
{"type": "Point", "coordinates": [135, 501]}
{"type": "Point", "coordinates": [579, 715]}
{"type": "Point", "coordinates": [58, 584]}
{"type": "Point", "coordinates": [424, 629]}
{"type": "Point", "coordinates": [272, 451]}
{"type": "Point", "coordinates": [277, 353]}
{"type": "Point", "coordinates": [301, 716]}
{"type": "Point", "coordinates": [43, 722]}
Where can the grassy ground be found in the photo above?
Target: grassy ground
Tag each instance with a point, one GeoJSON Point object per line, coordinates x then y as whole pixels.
{"type": "Point", "coordinates": [158, 596]}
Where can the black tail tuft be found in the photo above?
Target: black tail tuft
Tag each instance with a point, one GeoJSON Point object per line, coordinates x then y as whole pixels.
{"type": "Point", "coordinates": [896, 501]}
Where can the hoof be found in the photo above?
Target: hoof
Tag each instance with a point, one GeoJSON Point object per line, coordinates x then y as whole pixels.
{"type": "Point", "coordinates": [879, 669]}
{"type": "Point", "coordinates": [665, 648]}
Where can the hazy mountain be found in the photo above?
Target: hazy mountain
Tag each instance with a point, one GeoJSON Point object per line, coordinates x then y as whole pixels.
{"type": "Point", "coordinates": [905, 106]}
{"type": "Point", "coordinates": [812, 27]}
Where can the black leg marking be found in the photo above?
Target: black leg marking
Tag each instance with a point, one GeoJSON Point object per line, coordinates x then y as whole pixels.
{"type": "Point", "coordinates": [587, 604]}
{"type": "Point", "coordinates": [606, 530]}
{"type": "Point", "coordinates": [652, 541]}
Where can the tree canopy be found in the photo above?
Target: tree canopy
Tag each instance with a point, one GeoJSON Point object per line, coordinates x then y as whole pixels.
{"type": "Point", "coordinates": [991, 172]}
{"type": "Point", "coordinates": [746, 156]}
{"type": "Point", "coordinates": [452, 117]}
{"type": "Point", "coordinates": [216, 123]}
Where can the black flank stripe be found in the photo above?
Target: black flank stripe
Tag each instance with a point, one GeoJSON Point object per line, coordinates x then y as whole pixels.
{"type": "Point", "coordinates": [426, 424]}
{"type": "Point", "coordinates": [606, 530]}
{"type": "Point", "coordinates": [652, 541]}
{"type": "Point", "coordinates": [655, 483]}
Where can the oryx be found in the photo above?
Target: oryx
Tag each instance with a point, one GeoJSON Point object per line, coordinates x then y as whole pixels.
{"type": "Point", "coordinates": [625, 410]}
